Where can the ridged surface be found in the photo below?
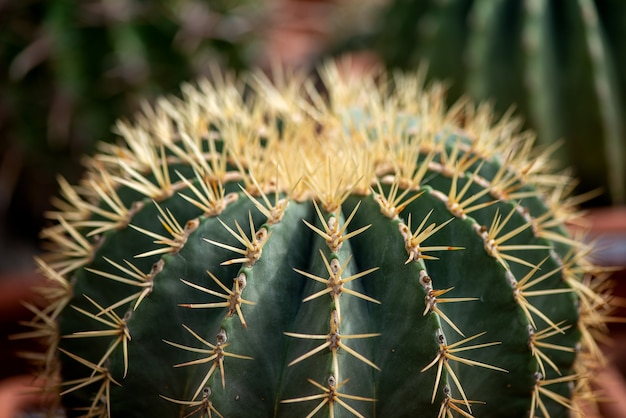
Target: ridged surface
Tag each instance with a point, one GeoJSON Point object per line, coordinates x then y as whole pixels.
{"type": "Point", "coordinates": [290, 255]}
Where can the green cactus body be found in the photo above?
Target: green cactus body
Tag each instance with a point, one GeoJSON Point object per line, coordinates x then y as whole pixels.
{"type": "Point", "coordinates": [290, 255]}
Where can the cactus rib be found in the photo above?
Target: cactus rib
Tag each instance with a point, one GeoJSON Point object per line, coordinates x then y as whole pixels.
{"type": "Point", "coordinates": [266, 252]}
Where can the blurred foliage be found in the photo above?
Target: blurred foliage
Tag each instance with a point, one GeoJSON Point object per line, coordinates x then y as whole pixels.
{"type": "Point", "coordinates": [68, 69]}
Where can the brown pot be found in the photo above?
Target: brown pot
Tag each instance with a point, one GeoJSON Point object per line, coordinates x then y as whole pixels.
{"type": "Point", "coordinates": [607, 231]}
{"type": "Point", "coordinates": [14, 290]}
{"type": "Point", "coordinates": [19, 394]}
{"type": "Point", "coordinates": [17, 388]}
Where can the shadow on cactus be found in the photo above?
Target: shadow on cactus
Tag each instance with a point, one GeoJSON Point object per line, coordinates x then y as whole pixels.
{"type": "Point", "coordinates": [267, 250]}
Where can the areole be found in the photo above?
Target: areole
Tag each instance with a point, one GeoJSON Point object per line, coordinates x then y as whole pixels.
{"type": "Point", "coordinates": [252, 250]}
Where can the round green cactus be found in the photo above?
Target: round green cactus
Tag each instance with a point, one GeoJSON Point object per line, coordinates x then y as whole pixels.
{"type": "Point", "coordinates": [258, 249]}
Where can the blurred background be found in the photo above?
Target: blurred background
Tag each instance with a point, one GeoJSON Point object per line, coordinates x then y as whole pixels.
{"type": "Point", "coordinates": [69, 69]}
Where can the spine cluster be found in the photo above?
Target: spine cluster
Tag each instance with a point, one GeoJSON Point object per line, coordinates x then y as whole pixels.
{"type": "Point", "coordinates": [293, 255]}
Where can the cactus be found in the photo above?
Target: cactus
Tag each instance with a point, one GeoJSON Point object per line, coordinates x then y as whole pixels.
{"type": "Point", "coordinates": [559, 63]}
{"type": "Point", "coordinates": [259, 249]}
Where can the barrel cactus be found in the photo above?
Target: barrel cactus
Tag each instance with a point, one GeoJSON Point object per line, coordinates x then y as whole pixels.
{"type": "Point", "coordinates": [263, 249]}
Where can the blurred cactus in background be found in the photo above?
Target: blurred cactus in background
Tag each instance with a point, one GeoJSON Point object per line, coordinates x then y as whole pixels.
{"type": "Point", "coordinates": [561, 64]}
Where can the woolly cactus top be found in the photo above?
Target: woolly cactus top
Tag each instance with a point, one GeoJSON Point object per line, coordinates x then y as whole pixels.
{"type": "Point", "coordinates": [259, 249]}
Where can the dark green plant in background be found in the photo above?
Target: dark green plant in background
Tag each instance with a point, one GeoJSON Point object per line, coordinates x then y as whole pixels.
{"type": "Point", "coordinates": [68, 69]}
{"type": "Point", "coordinates": [562, 64]}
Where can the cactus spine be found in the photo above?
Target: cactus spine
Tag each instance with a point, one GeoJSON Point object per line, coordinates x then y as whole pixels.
{"type": "Point", "coordinates": [252, 250]}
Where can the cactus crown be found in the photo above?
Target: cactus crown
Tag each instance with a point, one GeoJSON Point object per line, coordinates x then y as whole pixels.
{"type": "Point", "coordinates": [259, 249]}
